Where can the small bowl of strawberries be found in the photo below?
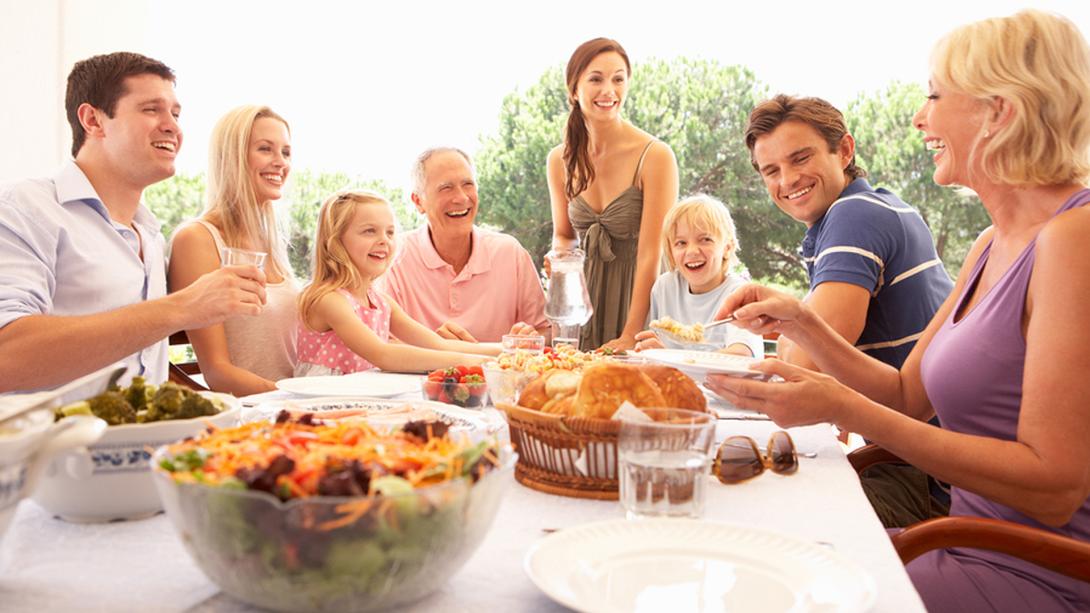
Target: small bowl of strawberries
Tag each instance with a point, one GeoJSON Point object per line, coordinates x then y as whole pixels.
{"type": "Point", "coordinates": [462, 386]}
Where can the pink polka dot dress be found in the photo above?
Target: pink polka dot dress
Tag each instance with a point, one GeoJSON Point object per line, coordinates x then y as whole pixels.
{"type": "Point", "coordinates": [324, 353]}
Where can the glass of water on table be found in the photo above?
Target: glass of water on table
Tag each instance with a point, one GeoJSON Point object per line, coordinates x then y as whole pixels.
{"type": "Point", "coordinates": [663, 462]}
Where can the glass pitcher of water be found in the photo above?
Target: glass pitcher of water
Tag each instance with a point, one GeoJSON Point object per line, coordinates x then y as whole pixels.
{"type": "Point", "coordinates": [567, 304]}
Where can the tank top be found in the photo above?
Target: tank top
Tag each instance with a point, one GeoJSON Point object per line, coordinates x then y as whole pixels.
{"type": "Point", "coordinates": [265, 344]}
{"type": "Point", "coordinates": [324, 353]}
{"type": "Point", "coordinates": [610, 240]}
{"type": "Point", "coordinates": [972, 372]}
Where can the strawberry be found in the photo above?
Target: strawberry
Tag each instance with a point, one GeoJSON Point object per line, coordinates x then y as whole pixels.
{"type": "Point", "coordinates": [462, 371]}
{"type": "Point", "coordinates": [443, 396]}
{"type": "Point", "coordinates": [436, 375]}
{"type": "Point", "coordinates": [472, 380]}
{"type": "Point", "coordinates": [476, 370]}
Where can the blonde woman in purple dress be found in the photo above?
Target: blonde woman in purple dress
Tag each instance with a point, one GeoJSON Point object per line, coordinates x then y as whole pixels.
{"type": "Point", "coordinates": [1004, 362]}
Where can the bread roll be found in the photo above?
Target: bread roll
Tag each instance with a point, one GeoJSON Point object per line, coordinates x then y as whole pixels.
{"type": "Point", "coordinates": [605, 386]}
{"type": "Point", "coordinates": [679, 391]}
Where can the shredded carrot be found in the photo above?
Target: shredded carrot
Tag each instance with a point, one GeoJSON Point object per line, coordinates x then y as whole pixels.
{"type": "Point", "coordinates": [319, 449]}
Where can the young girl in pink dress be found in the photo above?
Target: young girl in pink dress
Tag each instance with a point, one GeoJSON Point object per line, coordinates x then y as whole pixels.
{"type": "Point", "coordinates": [345, 324]}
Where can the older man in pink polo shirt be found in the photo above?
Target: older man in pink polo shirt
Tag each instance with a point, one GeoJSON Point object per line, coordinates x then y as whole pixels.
{"type": "Point", "coordinates": [463, 281]}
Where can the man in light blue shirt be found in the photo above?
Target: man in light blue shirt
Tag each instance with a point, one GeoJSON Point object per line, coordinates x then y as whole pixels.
{"type": "Point", "coordinates": [82, 270]}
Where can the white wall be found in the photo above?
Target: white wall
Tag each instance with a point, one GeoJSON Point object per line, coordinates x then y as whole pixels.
{"type": "Point", "coordinates": [40, 40]}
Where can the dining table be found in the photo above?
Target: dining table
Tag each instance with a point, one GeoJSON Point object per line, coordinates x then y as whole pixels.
{"type": "Point", "coordinates": [48, 564]}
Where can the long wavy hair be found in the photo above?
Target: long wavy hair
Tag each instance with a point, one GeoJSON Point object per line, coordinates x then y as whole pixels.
{"type": "Point", "coordinates": [333, 267]}
{"type": "Point", "coordinates": [580, 172]}
{"type": "Point", "coordinates": [231, 204]}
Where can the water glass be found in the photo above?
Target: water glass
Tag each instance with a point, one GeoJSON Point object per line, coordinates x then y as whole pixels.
{"type": "Point", "coordinates": [534, 343]}
{"type": "Point", "coordinates": [663, 462]}
{"type": "Point", "coordinates": [233, 256]}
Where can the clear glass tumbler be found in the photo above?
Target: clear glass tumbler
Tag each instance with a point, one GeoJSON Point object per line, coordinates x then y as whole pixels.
{"type": "Point", "coordinates": [663, 462]}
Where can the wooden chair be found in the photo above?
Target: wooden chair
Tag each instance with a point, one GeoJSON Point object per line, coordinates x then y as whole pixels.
{"type": "Point", "coordinates": [1046, 549]}
{"type": "Point", "coordinates": [181, 372]}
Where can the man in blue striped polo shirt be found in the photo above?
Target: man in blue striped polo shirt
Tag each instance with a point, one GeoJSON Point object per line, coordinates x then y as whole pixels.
{"type": "Point", "coordinates": [875, 276]}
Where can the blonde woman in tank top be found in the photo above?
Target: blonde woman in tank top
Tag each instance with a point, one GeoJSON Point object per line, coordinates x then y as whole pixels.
{"type": "Point", "coordinates": [610, 186]}
{"type": "Point", "coordinates": [249, 161]}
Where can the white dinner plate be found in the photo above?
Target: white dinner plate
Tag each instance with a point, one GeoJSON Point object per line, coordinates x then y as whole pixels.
{"type": "Point", "coordinates": [380, 411]}
{"type": "Point", "coordinates": [698, 364]}
{"type": "Point", "coordinates": [369, 383]}
{"type": "Point", "coordinates": [693, 565]}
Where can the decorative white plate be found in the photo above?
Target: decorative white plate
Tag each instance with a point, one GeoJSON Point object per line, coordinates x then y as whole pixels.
{"type": "Point", "coordinates": [373, 384]}
{"type": "Point", "coordinates": [699, 364]}
{"type": "Point", "coordinates": [380, 411]}
{"type": "Point", "coordinates": [693, 565]}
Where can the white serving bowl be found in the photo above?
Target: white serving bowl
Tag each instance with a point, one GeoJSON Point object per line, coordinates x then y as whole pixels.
{"type": "Point", "coordinates": [29, 442]}
{"type": "Point", "coordinates": [112, 478]}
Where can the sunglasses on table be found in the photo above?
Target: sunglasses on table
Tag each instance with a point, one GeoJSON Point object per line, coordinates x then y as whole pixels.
{"type": "Point", "coordinates": [739, 458]}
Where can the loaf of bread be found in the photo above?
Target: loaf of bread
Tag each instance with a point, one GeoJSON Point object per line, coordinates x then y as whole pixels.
{"type": "Point", "coordinates": [601, 388]}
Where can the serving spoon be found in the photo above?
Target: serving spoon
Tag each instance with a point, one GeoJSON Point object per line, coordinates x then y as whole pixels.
{"type": "Point", "coordinates": [45, 398]}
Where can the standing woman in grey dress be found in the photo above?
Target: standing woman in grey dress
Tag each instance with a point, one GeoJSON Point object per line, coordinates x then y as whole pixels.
{"type": "Point", "coordinates": [610, 185]}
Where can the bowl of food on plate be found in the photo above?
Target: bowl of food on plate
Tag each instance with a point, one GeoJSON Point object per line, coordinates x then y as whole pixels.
{"type": "Point", "coordinates": [111, 479]}
{"type": "Point", "coordinates": [305, 514]}
{"type": "Point", "coordinates": [510, 372]}
{"type": "Point", "coordinates": [462, 386]}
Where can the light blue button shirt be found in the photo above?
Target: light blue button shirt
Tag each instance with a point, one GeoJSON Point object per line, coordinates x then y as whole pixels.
{"type": "Point", "coordinates": [61, 254]}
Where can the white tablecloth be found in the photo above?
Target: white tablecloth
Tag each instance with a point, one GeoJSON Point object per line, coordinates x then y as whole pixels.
{"type": "Point", "coordinates": [49, 565]}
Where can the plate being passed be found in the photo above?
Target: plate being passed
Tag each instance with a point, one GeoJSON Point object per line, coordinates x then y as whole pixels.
{"type": "Point", "coordinates": [368, 383]}
{"type": "Point", "coordinates": [698, 364]}
{"type": "Point", "coordinates": [693, 565]}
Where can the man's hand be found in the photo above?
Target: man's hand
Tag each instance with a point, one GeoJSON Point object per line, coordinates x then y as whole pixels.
{"type": "Point", "coordinates": [453, 331]}
{"type": "Point", "coordinates": [523, 329]}
{"type": "Point", "coordinates": [221, 294]}
{"type": "Point", "coordinates": [646, 339]}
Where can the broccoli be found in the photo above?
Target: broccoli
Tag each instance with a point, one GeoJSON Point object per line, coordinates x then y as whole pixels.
{"type": "Point", "coordinates": [139, 393]}
{"type": "Point", "coordinates": [112, 407]}
{"type": "Point", "coordinates": [166, 403]}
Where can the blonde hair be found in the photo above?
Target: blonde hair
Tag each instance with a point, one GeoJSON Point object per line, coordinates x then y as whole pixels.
{"type": "Point", "coordinates": [333, 267]}
{"type": "Point", "coordinates": [705, 212]}
{"type": "Point", "coordinates": [1040, 64]}
{"type": "Point", "coordinates": [232, 204]}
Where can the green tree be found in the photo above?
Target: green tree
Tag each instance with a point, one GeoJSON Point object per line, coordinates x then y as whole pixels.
{"type": "Point", "coordinates": [890, 148]}
{"type": "Point", "coordinates": [175, 200]}
{"type": "Point", "coordinates": [698, 107]}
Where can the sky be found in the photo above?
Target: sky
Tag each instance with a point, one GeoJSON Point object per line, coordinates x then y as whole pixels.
{"type": "Point", "coordinates": [366, 88]}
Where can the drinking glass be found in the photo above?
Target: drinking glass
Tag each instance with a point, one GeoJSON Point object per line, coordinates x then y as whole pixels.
{"type": "Point", "coordinates": [233, 256]}
{"type": "Point", "coordinates": [663, 462]}
{"type": "Point", "coordinates": [567, 304]}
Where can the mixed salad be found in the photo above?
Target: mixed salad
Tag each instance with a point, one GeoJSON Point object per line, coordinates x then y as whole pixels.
{"type": "Point", "coordinates": [301, 513]}
{"type": "Point", "coordinates": [563, 356]}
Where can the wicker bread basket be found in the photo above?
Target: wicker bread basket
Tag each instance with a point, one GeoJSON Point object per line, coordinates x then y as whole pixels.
{"type": "Point", "coordinates": [569, 456]}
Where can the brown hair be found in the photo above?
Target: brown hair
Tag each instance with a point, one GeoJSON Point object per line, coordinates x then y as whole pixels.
{"type": "Point", "coordinates": [100, 82]}
{"type": "Point", "coordinates": [814, 112]}
{"type": "Point", "coordinates": [580, 173]}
